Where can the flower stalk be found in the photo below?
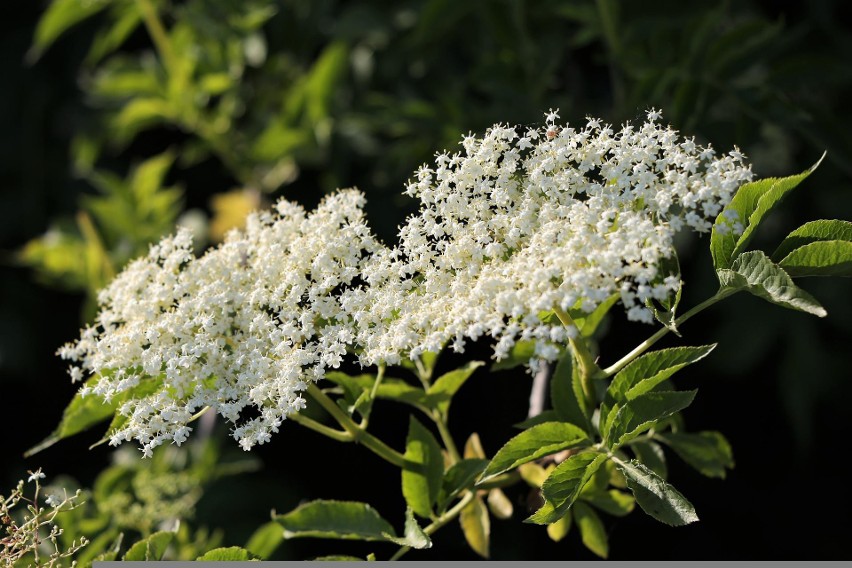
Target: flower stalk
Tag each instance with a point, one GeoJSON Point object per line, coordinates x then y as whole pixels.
{"type": "Point", "coordinates": [356, 433]}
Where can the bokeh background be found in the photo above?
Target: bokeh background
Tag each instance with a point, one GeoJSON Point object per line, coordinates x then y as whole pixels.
{"type": "Point", "coordinates": [112, 131]}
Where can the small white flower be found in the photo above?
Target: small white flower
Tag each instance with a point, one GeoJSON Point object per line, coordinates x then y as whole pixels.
{"type": "Point", "coordinates": [551, 116]}
{"type": "Point", "coordinates": [76, 374]}
{"type": "Point", "coordinates": [53, 500]}
{"type": "Point", "coordinates": [36, 475]}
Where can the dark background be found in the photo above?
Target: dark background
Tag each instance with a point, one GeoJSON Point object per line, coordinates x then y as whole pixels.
{"type": "Point", "coordinates": [771, 77]}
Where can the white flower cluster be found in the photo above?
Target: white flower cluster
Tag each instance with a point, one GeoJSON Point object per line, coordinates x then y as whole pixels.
{"type": "Point", "coordinates": [525, 220]}
{"type": "Point", "coordinates": [521, 221]}
{"type": "Point", "coordinates": [240, 329]}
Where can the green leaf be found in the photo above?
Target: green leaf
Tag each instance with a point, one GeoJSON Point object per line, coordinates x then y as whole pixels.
{"type": "Point", "coordinates": [563, 485]}
{"type": "Point", "coordinates": [708, 452]}
{"type": "Point", "coordinates": [665, 311]}
{"type": "Point", "coordinates": [752, 202]}
{"type": "Point", "coordinates": [723, 239]}
{"type": "Point", "coordinates": [126, 18]}
{"type": "Point", "coordinates": [151, 548]}
{"type": "Point", "coordinates": [356, 392]}
{"type": "Point", "coordinates": [321, 82]}
{"type": "Point", "coordinates": [440, 394]}
{"type": "Point", "coordinates": [82, 413]}
{"type": "Point", "coordinates": [216, 83]}
{"type": "Point", "coordinates": [538, 441]}
{"type": "Point", "coordinates": [566, 394]}
{"type": "Point", "coordinates": [278, 140]}
{"type": "Point", "coordinates": [227, 554]}
{"type": "Point", "coordinates": [646, 372]}
{"type": "Point", "coordinates": [592, 531]}
{"type": "Point", "coordinates": [754, 272]}
{"type": "Point", "coordinates": [458, 478]}
{"type": "Point", "coordinates": [520, 354]}
{"type": "Point", "coordinates": [614, 502]}
{"type": "Point", "coordinates": [767, 202]}
{"type": "Point", "coordinates": [139, 114]}
{"type": "Point", "coordinates": [265, 540]}
{"type": "Point", "coordinates": [637, 415]}
{"type": "Point", "coordinates": [58, 18]}
{"type": "Point", "coordinates": [823, 258]}
{"type": "Point", "coordinates": [421, 488]}
{"type": "Point", "coordinates": [473, 447]}
{"type": "Point", "coordinates": [499, 505]}
{"type": "Point", "coordinates": [85, 556]}
{"type": "Point", "coordinates": [413, 534]}
{"type": "Point", "coordinates": [655, 496]}
{"type": "Point", "coordinates": [587, 324]}
{"type": "Point", "coordinates": [147, 179]}
{"type": "Point", "coordinates": [389, 389]}
{"type": "Point", "coordinates": [651, 454]}
{"type": "Point", "coordinates": [427, 361]}
{"type": "Point", "coordinates": [476, 526]}
{"type": "Point", "coordinates": [534, 474]}
{"type": "Point", "coordinates": [125, 83]}
{"type": "Point", "coordinates": [811, 232]}
{"type": "Point", "coordinates": [348, 520]}
{"type": "Point", "coordinates": [560, 529]}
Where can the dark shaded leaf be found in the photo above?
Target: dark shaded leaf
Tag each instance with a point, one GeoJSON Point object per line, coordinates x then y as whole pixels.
{"type": "Point", "coordinates": [708, 452]}
{"type": "Point", "coordinates": [655, 496]}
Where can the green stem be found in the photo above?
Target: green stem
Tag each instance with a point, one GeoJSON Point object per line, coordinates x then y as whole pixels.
{"type": "Point", "coordinates": [439, 418]}
{"type": "Point", "coordinates": [320, 428]}
{"type": "Point", "coordinates": [158, 33]}
{"type": "Point", "coordinates": [503, 480]}
{"type": "Point", "coordinates": [448, 516]}
{"type": "Point", "coordinates": [365, 420]}
{"type": "Point", "coordinates": [588, 367]}
{"type": "Point", "coordinates": [444, 430]}
{"type": "Point", "coordinates": [359, 435]}
{"type": "Point", "coordinates": [645, 345]}
{"type": "Point", "coordinates": [423, 375]}
{"type": "Point", "coordinates": [379, 376]}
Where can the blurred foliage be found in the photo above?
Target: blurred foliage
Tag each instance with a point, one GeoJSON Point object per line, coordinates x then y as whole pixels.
{"type": "Point", "coordinates": [133, 499]}
{"type": "Point", "coordinates": [111, 228]}
{"type": "Point", "coordinates": [215, 107]}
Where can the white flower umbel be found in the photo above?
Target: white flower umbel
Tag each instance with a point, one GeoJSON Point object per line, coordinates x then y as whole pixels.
{"type": "Point", "coordinates": [241, 329]}
{"type": "Point", "coordinates": [519, 223]}
{"type": "Point", "coordinates": [523, 220]}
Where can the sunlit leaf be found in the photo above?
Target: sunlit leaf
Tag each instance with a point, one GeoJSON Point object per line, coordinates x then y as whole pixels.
{"type": "Point", "coordinates": [151, 548]}
{"type": "Point", "coordinates": [811, 232]}
{"type": "Point", "coordinates": [334, 519]}
{"type": "Point", "coordinates": [227, 554]}
{"type": "Point", "coordinates": [421, 488]}
{"type": "Point", "coordinates": [538, 441]}
{"type": "Point", "coordinates": [476, 527]}
{"type": "Point", "coordinates": [592, 531]}
{"type": "Point", "coordinates": [639, 414]}
{"type": "Point", "coordinates": [822, 258]}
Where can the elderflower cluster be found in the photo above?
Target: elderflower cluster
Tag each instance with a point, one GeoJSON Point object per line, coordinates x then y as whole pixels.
{"type": "Point", "coordinates": [241, 329]}
{"type": "Point", "coordinates": [524, 220]}
{"type": "Point", "coordinates": [521, 221]}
